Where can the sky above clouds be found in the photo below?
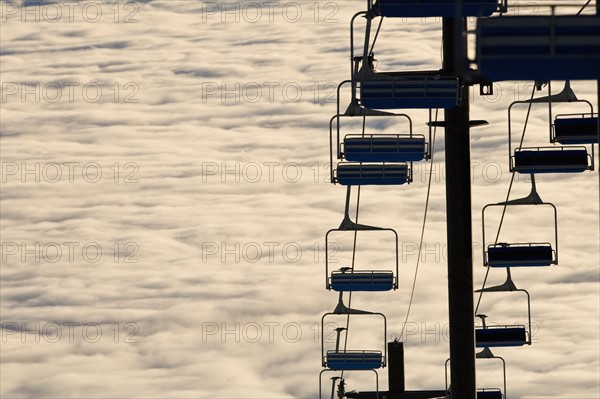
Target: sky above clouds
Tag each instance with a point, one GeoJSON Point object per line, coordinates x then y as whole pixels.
{"type": "Point", "coordinates": [165, 201]}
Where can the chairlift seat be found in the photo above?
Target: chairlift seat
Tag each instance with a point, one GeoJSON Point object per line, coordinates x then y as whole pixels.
{"type": "Point", "coordinates": [489, 394]}
{"type": "Point", "coordinates": [354, 360]}
{"type": "Point", "coordinates": [385, 148]}
{"type": "Point", "coordinates": [576, 130]}
{"type": "Point", "coordinates": [500, 336]}
{"type": "Point", "coordinates": [372, 280]}
{"type": "Point", "coordinates": [542, 160]}
{"type": "Point", "coordinates": [519, 255]}
{"type": "Point", "coordinates": [352, 174]}
{"type": "Point", "coordinates": [386, 91]}
{"type": "Point", "coordinates": [541, 48]}
{"type": "Point", "coordinates": [434, 8]}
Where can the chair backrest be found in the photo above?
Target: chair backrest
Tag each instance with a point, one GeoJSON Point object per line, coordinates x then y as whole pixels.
{"type": "Point", "coordinates": [500, 336]}
{"type": "Point", "coordinates": [542, 48]}
{"type": "Point", "coordinates": [385, 148]}
{"type": "Point", "coordinates": [435, 8]}
{"type": "Point", "coordinates": [352, 174]}
{"type": "Point", "coordinates": [560, 160]}
{"type": "Point", "coordinates": [363, 280]}
{"type": "Point", "coordinates": [354, 360]}
{"type": "Point", "coordinates": [520, 255]}
{"type": "Point", "coordinates": [581, 130]}
{"type": "Point", "coordinates": [387, 91]}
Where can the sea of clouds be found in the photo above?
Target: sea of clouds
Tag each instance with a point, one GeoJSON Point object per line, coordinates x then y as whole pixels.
{"type": "Point", "coordinates": [165, 200]}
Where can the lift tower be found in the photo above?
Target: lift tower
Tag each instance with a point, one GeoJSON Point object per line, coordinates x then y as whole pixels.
{"type": "Point", "coordinates": [458, 216]}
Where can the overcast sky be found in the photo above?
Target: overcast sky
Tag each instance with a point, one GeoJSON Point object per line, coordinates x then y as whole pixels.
{"type": "Point", "coordinates": [165, 200]}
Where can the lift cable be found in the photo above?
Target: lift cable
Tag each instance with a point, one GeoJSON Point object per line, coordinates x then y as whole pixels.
{"type": "Point", "coordinates": [512, 180]}
{"type": "Point", "coordinates": [412, 293]}
{"type": "Point", "coordinates": [376, 35]}
{"type": "Point", "coordinates": [584, 7]}
{"type": "Point", "coordinates": [353, 255]}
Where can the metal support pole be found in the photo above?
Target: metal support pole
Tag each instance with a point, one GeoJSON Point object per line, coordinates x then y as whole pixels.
{"type": "Point", "coordinates": [396, 367]}
{"type": "Point", "coordinates": [459, 230]}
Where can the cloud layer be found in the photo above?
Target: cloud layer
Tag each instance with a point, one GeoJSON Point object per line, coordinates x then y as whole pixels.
{"type": "Point", "coordinates": [165, 203]}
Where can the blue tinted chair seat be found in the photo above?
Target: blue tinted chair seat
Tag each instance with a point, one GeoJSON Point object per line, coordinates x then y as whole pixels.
{"type": "Point", "coordinates": [489, 394]}
{"type": "Point", "coordinates": [540, 48]}
{"type": "Point", "coordinates": [576, 130]}
{"type": "Point", "coordinates": [352, 174]}
{"type": "Point", "coordinates": [362, 281]}
{"type": "Point", "coordinates": [434, 8]}
{"type": "Point", "coordinates": [500, 336]}
{"type": "Point", "coordinates": [354, 360]}
{"type": "Point", "coordinates": [385, 148]}
{"type": "Point", "coordinates": [386, 91]}
{"type": "Point", "coordinates": [541, 160]}
{"type": "Point", "coordinates": [519, 255]}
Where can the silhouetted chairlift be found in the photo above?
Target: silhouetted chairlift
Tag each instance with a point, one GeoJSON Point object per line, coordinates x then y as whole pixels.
{"type": "Point", "coordinates": [540, 48]}
{"type": "Point", "coordinates": [504, 335]}
{"type": "Point", "coordinates": [396, 90]}
{"type": "Point", "coordinates": [385, 153]}
{"type": "Point", "coordinates": [364, 147]}
{"type": "Point", "coordinates": [379, 146]}
{"type": "Point", "coordinates": [433, 8]}
{"type": "Point", "coordinates": [343, 359]}
{"type": "Point", "coordinates": [346, 279]}
{"type": "Point", "coordinates": [388, 157]}
{"type": "Point", "coordinates": [486, 353]}
{"type": "Point", "coordinates": [485, 393]}
{"type": "Point", "coordinates": [518, 254]}
{"type": "Point", "coordinates": [556, 159]}
{"type": "Point", "coordinates": [571, 129]}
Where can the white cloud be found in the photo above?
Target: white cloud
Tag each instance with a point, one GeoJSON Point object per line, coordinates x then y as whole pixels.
{"type": "Point", "coordinates": [179, 188]}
